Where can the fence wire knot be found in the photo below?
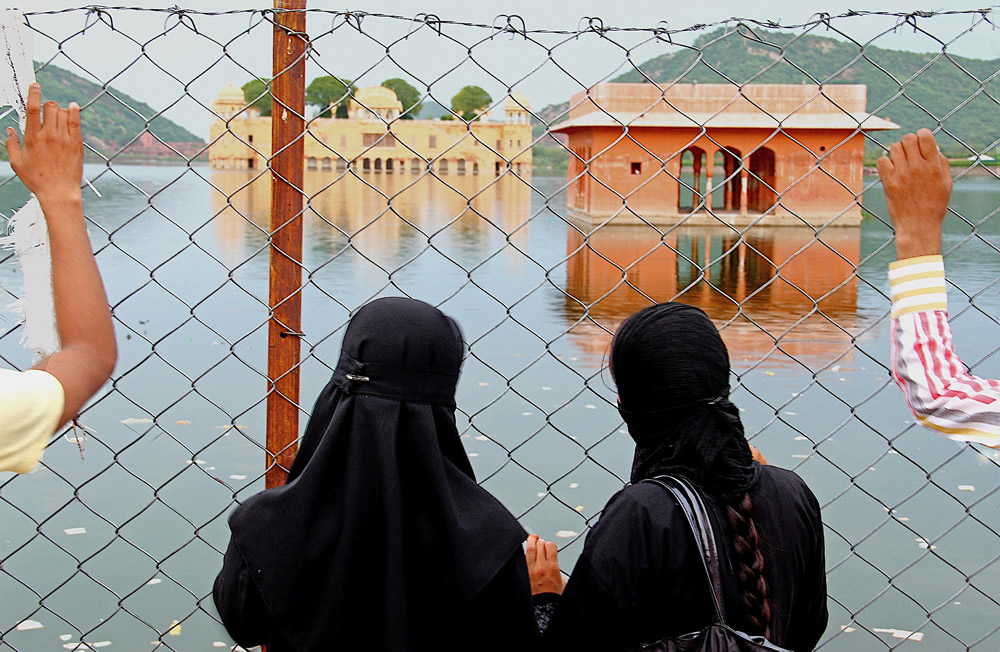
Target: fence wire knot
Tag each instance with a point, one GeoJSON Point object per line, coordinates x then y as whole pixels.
{"type": "Point", "coordinates": [509, 25]}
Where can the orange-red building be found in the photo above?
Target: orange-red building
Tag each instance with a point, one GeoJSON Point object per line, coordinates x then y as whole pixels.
{"type": "Point", "coordinates": [717, 153]}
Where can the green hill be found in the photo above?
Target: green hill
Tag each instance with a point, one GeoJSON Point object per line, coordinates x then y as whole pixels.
{"type": "Point", "coordinates": [895, 89]}
{"type": "Point", "coordinates": [949, 90]}
{"type": "Point", "coordinates": [108, 123]}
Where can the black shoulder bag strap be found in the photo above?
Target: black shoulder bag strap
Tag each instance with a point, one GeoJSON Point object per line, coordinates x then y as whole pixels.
{"type": "Point", "coordinates": [691, 504]}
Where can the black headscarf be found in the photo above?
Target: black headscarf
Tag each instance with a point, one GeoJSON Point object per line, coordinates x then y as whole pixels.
{"type": "Point", "coordinates": [381, 531]}
{"type": "Point", "coordinates": [672, 372]}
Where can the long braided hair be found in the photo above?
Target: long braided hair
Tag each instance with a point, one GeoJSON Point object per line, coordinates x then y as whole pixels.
{"type": "Point", "coordinates": [747, 546]}
{"type": "Point", "coordinates": [671, 368]}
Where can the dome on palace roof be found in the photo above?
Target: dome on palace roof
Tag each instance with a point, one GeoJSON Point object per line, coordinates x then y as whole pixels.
{"type": "Point", "coordinates": [231, 94]}
{"type": "Point", "coordinates": [378, 97]}
{"type": "Point", "coordinates": [517, 101]}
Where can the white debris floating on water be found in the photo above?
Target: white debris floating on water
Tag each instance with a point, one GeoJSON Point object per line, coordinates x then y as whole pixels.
{"type": "Point", "coordinates": [237, 476]}
{"type": "Point", "coordinates": [155, 580]}
{"type": "Point", "coordinates": [28, 625]}
{"type": "Point", "coordinates": [966, 487]}
{"type": "Point", "coordinates": [574, 485]}
{"type": "Point", "coordinates": [900, 633]}
{"type": "Point", "coordinates": [75, 530]}
{"type": "Point", "coordinates": [566, 534]}
{"type": "Point", "coordinates": [133, 421]}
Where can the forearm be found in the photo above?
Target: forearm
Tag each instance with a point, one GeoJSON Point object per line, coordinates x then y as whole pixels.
{"type": "Point", "coordinates": [937, 388]}
{"type": "Point", "coordinates": [83, 319]}
{"type": "Point", "coordinates": [916, 240]}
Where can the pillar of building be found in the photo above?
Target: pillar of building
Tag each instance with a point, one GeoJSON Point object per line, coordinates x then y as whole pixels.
{"type": "Point", "coordinates": [696, 199]}
{"type": "Point", "coordinates": [710, 167]}
{"type": "Point", "coordinates": [744, 177]}
{"type": "Point", "coordinates": [728, 168]}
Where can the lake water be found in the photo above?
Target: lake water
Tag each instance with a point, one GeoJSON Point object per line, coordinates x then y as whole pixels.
{"type": "Point", "coordinates": [911, 518]}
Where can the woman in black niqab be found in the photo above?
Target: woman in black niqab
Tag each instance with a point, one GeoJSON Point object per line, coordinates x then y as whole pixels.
{"type": "Point", "coordinates": [381, 539]}
{"type": "Point", "coordinates": [638, 579]}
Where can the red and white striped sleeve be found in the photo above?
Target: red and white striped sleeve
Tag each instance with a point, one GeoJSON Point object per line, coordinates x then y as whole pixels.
{"type": "Point", "coordinates": [939, 390]}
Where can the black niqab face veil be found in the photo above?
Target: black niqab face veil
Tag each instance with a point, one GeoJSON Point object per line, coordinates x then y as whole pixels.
{"type": "Point", "coordinates": [381, 531]}
{"type": "Point", "coordinates": [672, 372]}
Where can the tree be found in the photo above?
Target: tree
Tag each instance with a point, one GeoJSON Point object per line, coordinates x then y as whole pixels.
{"type": "Point", "coordinates": [470, 101]}
{"type": "Point", "coordinates": [407, 95]}
{"type": "Point", "coordinates": [257, 95]}
{"type": "Point", "coordinates": [327, 91]}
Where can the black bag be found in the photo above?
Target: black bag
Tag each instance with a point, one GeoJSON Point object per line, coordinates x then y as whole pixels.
{"type": "Point", "coordinates": [717, 637]}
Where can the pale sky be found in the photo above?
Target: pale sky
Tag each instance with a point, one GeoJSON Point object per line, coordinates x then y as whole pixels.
{"type": "Point", "coordinates": [430, 58]}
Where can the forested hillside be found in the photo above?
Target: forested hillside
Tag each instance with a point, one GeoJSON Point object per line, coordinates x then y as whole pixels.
{"type": "Point", "coordinates": [108, 123]}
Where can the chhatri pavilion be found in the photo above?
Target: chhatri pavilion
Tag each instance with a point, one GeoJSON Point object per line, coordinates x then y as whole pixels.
{"type": "Point", "coordinates": [718, 154]}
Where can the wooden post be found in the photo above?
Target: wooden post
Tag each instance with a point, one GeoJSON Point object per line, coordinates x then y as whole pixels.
{"type": "Point", "coordinates": [285, 291]}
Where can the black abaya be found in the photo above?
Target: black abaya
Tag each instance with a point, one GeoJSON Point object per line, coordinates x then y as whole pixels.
{"type": "Point", "coordinates": [381, 539]}
{"type": "Point", "coordinates": [638, 578]}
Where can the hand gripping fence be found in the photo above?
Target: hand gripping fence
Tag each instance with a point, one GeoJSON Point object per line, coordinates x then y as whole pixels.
{"type": "Point", "coordinates": [539, 185]}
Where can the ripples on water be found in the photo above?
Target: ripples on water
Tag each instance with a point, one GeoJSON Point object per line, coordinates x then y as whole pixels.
{"type": "Point", "coordinates": [183, 430]}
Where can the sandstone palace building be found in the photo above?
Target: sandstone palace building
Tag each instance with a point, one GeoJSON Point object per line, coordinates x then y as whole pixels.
{"type": "Point", "coordinates": [373, 140]}
{"type": "Point", "coordinates": [718, 153]}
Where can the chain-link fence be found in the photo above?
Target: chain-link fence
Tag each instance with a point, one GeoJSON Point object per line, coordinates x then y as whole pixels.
{"type": "Point", "coordinates": [539, 186]}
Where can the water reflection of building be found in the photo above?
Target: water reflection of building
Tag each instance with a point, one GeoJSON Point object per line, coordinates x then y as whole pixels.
{"type": "Point", "coordinates": [718, 153]}
{"type": "Point", "coordinates": [382, 215]}
{"type": "Point", "coordinates": [374, 140]}
{"type": "Point", "coordinates": [777, 292]}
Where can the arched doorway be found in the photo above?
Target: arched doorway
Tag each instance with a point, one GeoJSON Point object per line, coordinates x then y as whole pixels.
{"type": "Point", "coordinates": [761, 195]}
{"type": "Point", "coordinates": [693, 178]}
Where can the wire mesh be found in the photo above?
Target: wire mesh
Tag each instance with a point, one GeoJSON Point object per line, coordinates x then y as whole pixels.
{"type": "Point", "coordinates": [539, 229]}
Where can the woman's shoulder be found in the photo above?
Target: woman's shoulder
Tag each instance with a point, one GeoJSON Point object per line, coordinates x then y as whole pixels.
{"type": "Point", "coordinates": [639, 507]}
{"type": "Point", "coordinates": [776, 480]}
{"type": "Point", "coordinates": [782, 498]}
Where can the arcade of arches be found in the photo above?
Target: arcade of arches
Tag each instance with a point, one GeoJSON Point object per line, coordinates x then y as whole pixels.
{"type": "Point", "coordinates": [745, 185]}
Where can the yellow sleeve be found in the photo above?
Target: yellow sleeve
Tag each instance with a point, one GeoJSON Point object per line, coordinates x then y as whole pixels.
{"type": "Point", "coordinates": [31, 403]}
{"type": "Point", "coordinates": [917, 284]}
